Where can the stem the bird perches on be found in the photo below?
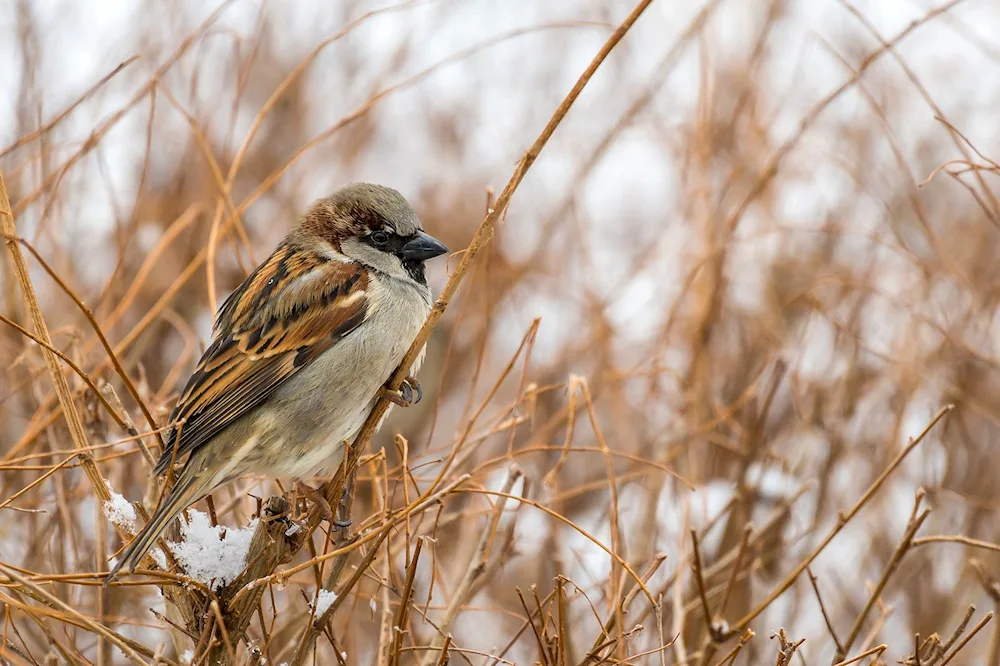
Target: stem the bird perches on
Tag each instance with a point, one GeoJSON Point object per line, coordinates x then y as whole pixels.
{"type": "Point", "coordinates": [479, 241]}
{"type": "Point", "coordinates": [485, 232]}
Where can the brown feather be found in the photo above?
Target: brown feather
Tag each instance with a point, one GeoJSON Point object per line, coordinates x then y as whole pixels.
{"type": "Point", "coordinates": [274, 324]}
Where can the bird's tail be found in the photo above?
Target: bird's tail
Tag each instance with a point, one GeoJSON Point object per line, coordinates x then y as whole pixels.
{"type": "Point", "coordinates": [190, 486]}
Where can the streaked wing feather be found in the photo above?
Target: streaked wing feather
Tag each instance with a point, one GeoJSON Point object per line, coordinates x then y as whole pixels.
{"type": "Point", "coordinates": [294, 307]}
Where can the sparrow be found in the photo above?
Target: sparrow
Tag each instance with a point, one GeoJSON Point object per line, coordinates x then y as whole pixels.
{"type": "Point", "coordinates": [300, 352]}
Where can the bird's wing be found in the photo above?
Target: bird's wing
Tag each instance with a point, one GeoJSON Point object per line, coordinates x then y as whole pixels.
{"type": "Point", "coordinates": [294, 307]}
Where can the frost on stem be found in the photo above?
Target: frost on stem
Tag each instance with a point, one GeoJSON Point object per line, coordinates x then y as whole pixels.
{"type": "Point", "coordinates": [119, 510]}
{"type": "Point", "coordinates": [324, 599]}
{"type": "Point", "coordinates": [159, 557]}
{"type": "Point", "coordinates": [212, 555]}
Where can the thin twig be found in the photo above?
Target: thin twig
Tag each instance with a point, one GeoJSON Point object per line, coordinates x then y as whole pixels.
{"type": "Point", "coordinates": [477, 565]}
{"type": "Point", "coordinates": [890, 568]}
{"type": "Point", "coordinates": [404, 606]}
{"type": "Point", "coordinates": [957, 538]}
{"type": "Point", "coordinates": [700, 580]}
{"type": "Point", "coordinates": [841, 523]}
{"type": "Point", "coordinates": [76, 430]}
{"type": "Point", "coordinates": [822, 610]}
{"type": "Point", "coordinates": [975, 630]}
{"type": "Point", "coordinates": [877, 650]}
{"type": "Point", "coordinates": [77, 615]}
{"type": "Point", "coordinates": [485, 233]}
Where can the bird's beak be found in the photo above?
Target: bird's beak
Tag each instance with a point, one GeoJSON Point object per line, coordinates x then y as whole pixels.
{"type": "Point", "coordinates": [422, 247]}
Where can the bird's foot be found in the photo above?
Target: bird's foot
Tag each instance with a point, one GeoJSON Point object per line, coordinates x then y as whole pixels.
{"type": "Point", "coordinates": [409, 393]}
{"type": "Point", "coordinates": [344, 509]}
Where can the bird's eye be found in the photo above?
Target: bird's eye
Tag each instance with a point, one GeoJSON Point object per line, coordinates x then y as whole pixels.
{"type": "Point", "coordinates": [379, 237]}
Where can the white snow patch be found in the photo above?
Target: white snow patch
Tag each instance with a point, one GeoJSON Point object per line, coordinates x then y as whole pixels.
{"type": "Point", "coordinates": [119, 510]}
{"type": "Point", "coordinates": [324, 599]}
{"type": "Point", "coordinates": [207, 555]}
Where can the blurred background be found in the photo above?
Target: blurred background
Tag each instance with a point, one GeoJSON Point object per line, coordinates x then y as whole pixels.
{"type": "Point", "coordinates": [754, 261]}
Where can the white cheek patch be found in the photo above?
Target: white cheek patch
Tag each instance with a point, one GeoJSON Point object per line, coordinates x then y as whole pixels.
{"type": "Point", "coordinates": [373, 258]}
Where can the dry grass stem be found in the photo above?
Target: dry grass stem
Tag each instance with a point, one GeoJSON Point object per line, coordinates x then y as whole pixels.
{"type": "Point", "coordinates": [683, 378]}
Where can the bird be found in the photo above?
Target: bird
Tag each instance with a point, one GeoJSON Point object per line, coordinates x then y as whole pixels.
{"type": "Point", "coordinates": [300, 352]}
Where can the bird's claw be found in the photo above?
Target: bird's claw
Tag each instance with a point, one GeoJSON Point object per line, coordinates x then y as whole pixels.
{"type": "Point", "coordinates": [343, 508]}
{"type": "Point", "coordinates": [409, 393]}
{"type": "Point", "coordinates": [412, 389]}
